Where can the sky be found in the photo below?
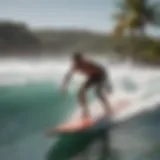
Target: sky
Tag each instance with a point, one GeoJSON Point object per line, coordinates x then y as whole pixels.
{"type": "Point", "coordinates": [80, 14]}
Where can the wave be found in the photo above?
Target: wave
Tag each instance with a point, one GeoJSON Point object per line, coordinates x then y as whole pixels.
{"type": "Point", "coordinates": [32, 108]}
{"type": "Point", "coordinates": [30, 103]}
{"type": "Point", "coordinates": [135, 138]}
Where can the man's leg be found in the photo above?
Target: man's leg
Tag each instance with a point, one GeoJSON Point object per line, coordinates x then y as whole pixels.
{"type": "Point", "coordinates": [104, 100]}
{"type": "Point", "coordinates": [82, 99]}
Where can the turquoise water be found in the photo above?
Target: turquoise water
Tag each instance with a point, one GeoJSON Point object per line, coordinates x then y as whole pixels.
{"type": "Point", "coordinates": [27, 110]}
{"type": "Point", "coordinates": [135, 139]}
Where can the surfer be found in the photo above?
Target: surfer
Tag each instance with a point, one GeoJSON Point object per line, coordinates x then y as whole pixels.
{"type": "Point", "coordinates": [96, 77]}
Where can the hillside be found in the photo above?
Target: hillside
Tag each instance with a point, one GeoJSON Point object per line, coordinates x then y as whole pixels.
{"type": "Point", "coordinates": [20, 39]}
{"type": "Point", "coordinates": [68, 40]}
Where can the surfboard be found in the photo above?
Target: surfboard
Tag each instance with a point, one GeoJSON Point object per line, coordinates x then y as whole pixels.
{"type": "Point", "coordinates": [76, 135]}
{"type": "Point", "coordinates": [75, 141]}
{"type": "Point", "coordinates": [70, 128]}
{"type": "Point", "coordinates": [82, 125]}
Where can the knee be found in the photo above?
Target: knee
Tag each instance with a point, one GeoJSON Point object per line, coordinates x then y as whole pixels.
{"type": "Point", "coordinates": [81, 93]}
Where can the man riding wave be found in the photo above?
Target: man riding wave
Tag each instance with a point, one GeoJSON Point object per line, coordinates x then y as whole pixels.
{"type": "Point", "coordinates": [96, 77]}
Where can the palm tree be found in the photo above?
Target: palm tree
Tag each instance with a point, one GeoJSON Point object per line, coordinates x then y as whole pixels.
{"type": "Point", "coordinates": [135, 15]}
{"type": "Point", "coordinates": [133, 18]}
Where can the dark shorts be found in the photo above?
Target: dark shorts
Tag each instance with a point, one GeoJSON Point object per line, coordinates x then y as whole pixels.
{"type": "Point", "coordinates": [98, 81]}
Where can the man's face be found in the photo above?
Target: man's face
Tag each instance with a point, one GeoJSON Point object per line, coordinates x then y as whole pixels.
{"type": "Point", "coordinates": [77, 60]}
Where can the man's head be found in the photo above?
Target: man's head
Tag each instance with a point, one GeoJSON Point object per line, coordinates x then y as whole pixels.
{"type": "Point", "coordinates": [78, 57]}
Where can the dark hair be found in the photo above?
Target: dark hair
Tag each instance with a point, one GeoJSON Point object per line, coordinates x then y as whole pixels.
{"type": "Point", "coordinates": [77, 56]}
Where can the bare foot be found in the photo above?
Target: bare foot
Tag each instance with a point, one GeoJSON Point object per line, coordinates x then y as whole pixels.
{"type": "Point", "coordinates": [86, 117]}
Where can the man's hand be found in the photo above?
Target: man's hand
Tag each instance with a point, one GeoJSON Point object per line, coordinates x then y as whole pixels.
{"type": "Point", "coordinates": [67, 79]}
{"type": "Point", "coordinates": [64, 88]}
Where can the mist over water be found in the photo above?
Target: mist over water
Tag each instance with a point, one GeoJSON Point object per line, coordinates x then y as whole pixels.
{"type": "Point", "coordinates": [31, 102]}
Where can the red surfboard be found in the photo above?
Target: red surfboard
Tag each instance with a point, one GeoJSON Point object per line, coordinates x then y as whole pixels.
{"type": "Point", "coordinates": [83, 124]}
{"type": "Point", "coordinates": [68, 128]}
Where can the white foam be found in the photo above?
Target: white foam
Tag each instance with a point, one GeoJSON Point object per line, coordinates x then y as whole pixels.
{"type": "Point", "coordinates": [138, 104]}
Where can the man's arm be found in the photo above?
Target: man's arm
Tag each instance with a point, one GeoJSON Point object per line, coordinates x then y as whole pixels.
{"type": "Point", "coordinates": [109, 86]}
{"type": "Point", "coordinates": [67, 78]}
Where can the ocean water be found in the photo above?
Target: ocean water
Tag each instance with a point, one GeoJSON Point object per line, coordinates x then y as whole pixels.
{"type": "Point", "coordinates": [31, 102]}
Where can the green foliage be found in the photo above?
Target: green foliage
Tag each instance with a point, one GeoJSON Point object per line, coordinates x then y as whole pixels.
{"type": "Point", "coordinates": [71, 40]}
{"type": "Point", "coordinates": [133, 17]}
{"type": "Point", "coordinates": [152, 54]}
{"type": "Point", "coordinates": [135, 14]}
{"type": "Point", "coordinates": [16, 37]}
